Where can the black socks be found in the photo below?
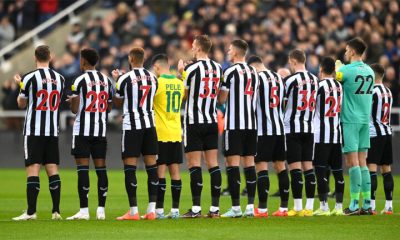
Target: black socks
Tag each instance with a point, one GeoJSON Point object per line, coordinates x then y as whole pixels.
{"type": "Point", "coordinates": [32, 192]}
{"type": "Point", "coordinates": [131, 184]}
{"type": "Point", "coordinates": [55, 191]}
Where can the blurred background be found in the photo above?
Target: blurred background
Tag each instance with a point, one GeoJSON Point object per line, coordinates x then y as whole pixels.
{"type": "Point", "coordinates": [272, 29]}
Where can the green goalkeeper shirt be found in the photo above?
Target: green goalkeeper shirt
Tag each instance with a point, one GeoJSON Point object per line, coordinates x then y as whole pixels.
{"type": "Point", "coordinates": [358, 81]}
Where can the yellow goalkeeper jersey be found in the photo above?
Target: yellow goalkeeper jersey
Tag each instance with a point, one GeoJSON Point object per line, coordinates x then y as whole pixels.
{"type": "Point", "coordinates": [167, 108]}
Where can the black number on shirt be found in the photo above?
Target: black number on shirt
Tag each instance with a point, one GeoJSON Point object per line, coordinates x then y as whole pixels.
{"type": "Point", "coordinates": [363, 79]}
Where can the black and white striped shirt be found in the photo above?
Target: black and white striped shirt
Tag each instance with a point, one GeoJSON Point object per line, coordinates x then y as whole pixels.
{"type": "Point", "coordinates": [327, 112]}
{"type": "Point", "coordinates": [382, 100]}
{"type": "Point", "coordinates": [95, 91]}
{"type": "Point", "coordinates": [137, 88]}
{"type": "Point", "coordinates": [43, 88]}
{"type": "Point", "coordinates": [241, 80]}
{"type": "Point", "coordinates": [300, 92]}
{"type": "Point", "coordinates": [270, 104]}
{"type": "Point", "coordinates": [202, 80]}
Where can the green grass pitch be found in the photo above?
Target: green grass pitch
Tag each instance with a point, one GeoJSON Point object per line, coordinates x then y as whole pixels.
{"type": "Point", "coordinates": [13, 201]}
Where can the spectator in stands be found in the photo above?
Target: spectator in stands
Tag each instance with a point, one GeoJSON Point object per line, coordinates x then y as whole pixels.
{"type": "Point", "coordinates": [11, 90]}
{"type": "Point", "coordinates": [7, 32]}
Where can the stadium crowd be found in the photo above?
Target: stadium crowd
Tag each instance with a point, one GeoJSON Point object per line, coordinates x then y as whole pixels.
{"type": "Point", "coordinates": [272, 28]}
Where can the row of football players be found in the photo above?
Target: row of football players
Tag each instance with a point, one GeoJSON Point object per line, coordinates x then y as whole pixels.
{"type": "Point", "coordinates": [257, 123]}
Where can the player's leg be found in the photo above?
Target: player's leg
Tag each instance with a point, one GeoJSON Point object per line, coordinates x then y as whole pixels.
{"type": "Point", "coordinates": [193, 135]}
{"type": "Point", "coordinates": [55, 189]}
{"type": "Point", "coordinates": [308, 171]}
{"type": "Point", "coordinates": [263, 185]}
{"type": "Point", "coordinates": [388, 186]}
{"type": "Point", "coordinates": [211, 157]}
{"type": "Point", "coordinates": [152, 185]}
{"type": "Point", "coordinates": [176, 187]}
{"type": "Point", "coordinates": [388, 183]}
{"type": "Point", "coordinates": [249, 151]}
{"type": "Point", "coordinates": [163, 155]}
{"type": "Point", "coordinates": [33, 153]}
{"type": "Point", "coordinates": [337, 172]}
{"type": "Point", "coordinates": [233, 163]}
{"type": "Point", "coordinates": [233, 150]}
{"type": "Point", "coordinates": [149, 152]}
{"type": "Point", "coordinates": [51, 162]}
{"type": "Point", "coordinates": [131, 146]}
{"type": "Point", "coordinates": [251, 183]}
{"type": "Point", "coordinates": [162, 186]}
{"type": "Point", "coordinates": [81, 151]}
{"type": "Point", "coordinates": [196, 183]}
{"type": "Point", "coordinates": [283, 181]}
{"type": "Point", "coordinates": [350, 150]}
{"type": "Point", "coordinates": [265, 150]}
{"type": "Point", "coordinates": [320, 162]}
{"type": "Point", "coordinates": [364, 145]}
{"type": "Point", "coordinates": [32, 191]}
{"type": "Point", "coordinates": [294, 153]}
{"type": "Point", "coordinates": [373, 168]}
{"type": "Point", "coordinates": [102, 187]}
{"type": "Point", "coordinates": [98, 152]}
{"type": "Point", "coordinates": [373, 159]}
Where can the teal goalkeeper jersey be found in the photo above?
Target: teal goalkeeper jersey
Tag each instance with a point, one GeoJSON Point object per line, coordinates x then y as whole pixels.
{"type": "Point", "coordinates": [358, 82]}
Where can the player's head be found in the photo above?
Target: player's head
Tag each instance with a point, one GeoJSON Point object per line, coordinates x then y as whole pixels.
{"type": "Point", "coordinates": [237, 50]}
{"type": "Point", "coordinates": [327, 67]}
{"type": "Point", "coordinates": [283, 72]}
{"type": "Point", "coordinates": [355, 48]}
{"type": "Point", "coordinates": [256, 62]}
{"type": "Point", "coordinates": [89, 58]}
{"type": "Point", "coordinates": [160, 64]}
{"type": "Point", "coordinates": [201, 44]}
{"type": "Point", "coordinates": [379, 71]}
{"type": "Point", "coordinates": [136, 57]}
{"type": "Point", "coordinates": [42, 54]}
{"type": "Point", "coordinates": [297, 58]}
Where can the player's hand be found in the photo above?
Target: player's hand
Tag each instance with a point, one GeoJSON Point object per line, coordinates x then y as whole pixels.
{"type": "Point", "coordinates": [69, 98]}
{"type": "Point", "coordinates": [116, 73]}
{"type": "Point", "coordinates": [338, 64]}
{"type": "Point", "coordinates": [181, 65]}
{"type": "Point", "coordinates": [17, 79]}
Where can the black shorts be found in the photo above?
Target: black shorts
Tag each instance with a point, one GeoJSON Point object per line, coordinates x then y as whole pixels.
{"type": "Point", "coordinates": [169, 153]}
{"type": "Point", "coordinates": [84, 147]}
{"type": "Point", "coordinates": [300, 147]}
{"type": "Point", "coordinates": [328, 154]}
{"type": "Point", "coordinates": [271, 148]}
{"type": "Point", "coordinates": [240, 142]}
{"type": "Point", "coordinates": [200, 137]}
{"type": "Point", "coordinates": [41, 150]}
{"type": "Point", "coordinates": [136, 142]}
{"type": "Point", "coordinates": [381, 152]}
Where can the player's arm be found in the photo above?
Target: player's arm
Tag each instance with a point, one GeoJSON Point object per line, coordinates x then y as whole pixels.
{"type": "Point", "coordinates": [22, 99]}
{"type": "Point", "coordinates": [339, 68]}
{"type": "Point", "coordinates": [73, 99]}
{"type": "Point", "coordinates": [186, 83]}
{"type": "Point", "coordinates": [224, 91]}
{"type": "Point", "coordinates": [111, 93]}
{"type": "Point", "coordinates": [118, 99]}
